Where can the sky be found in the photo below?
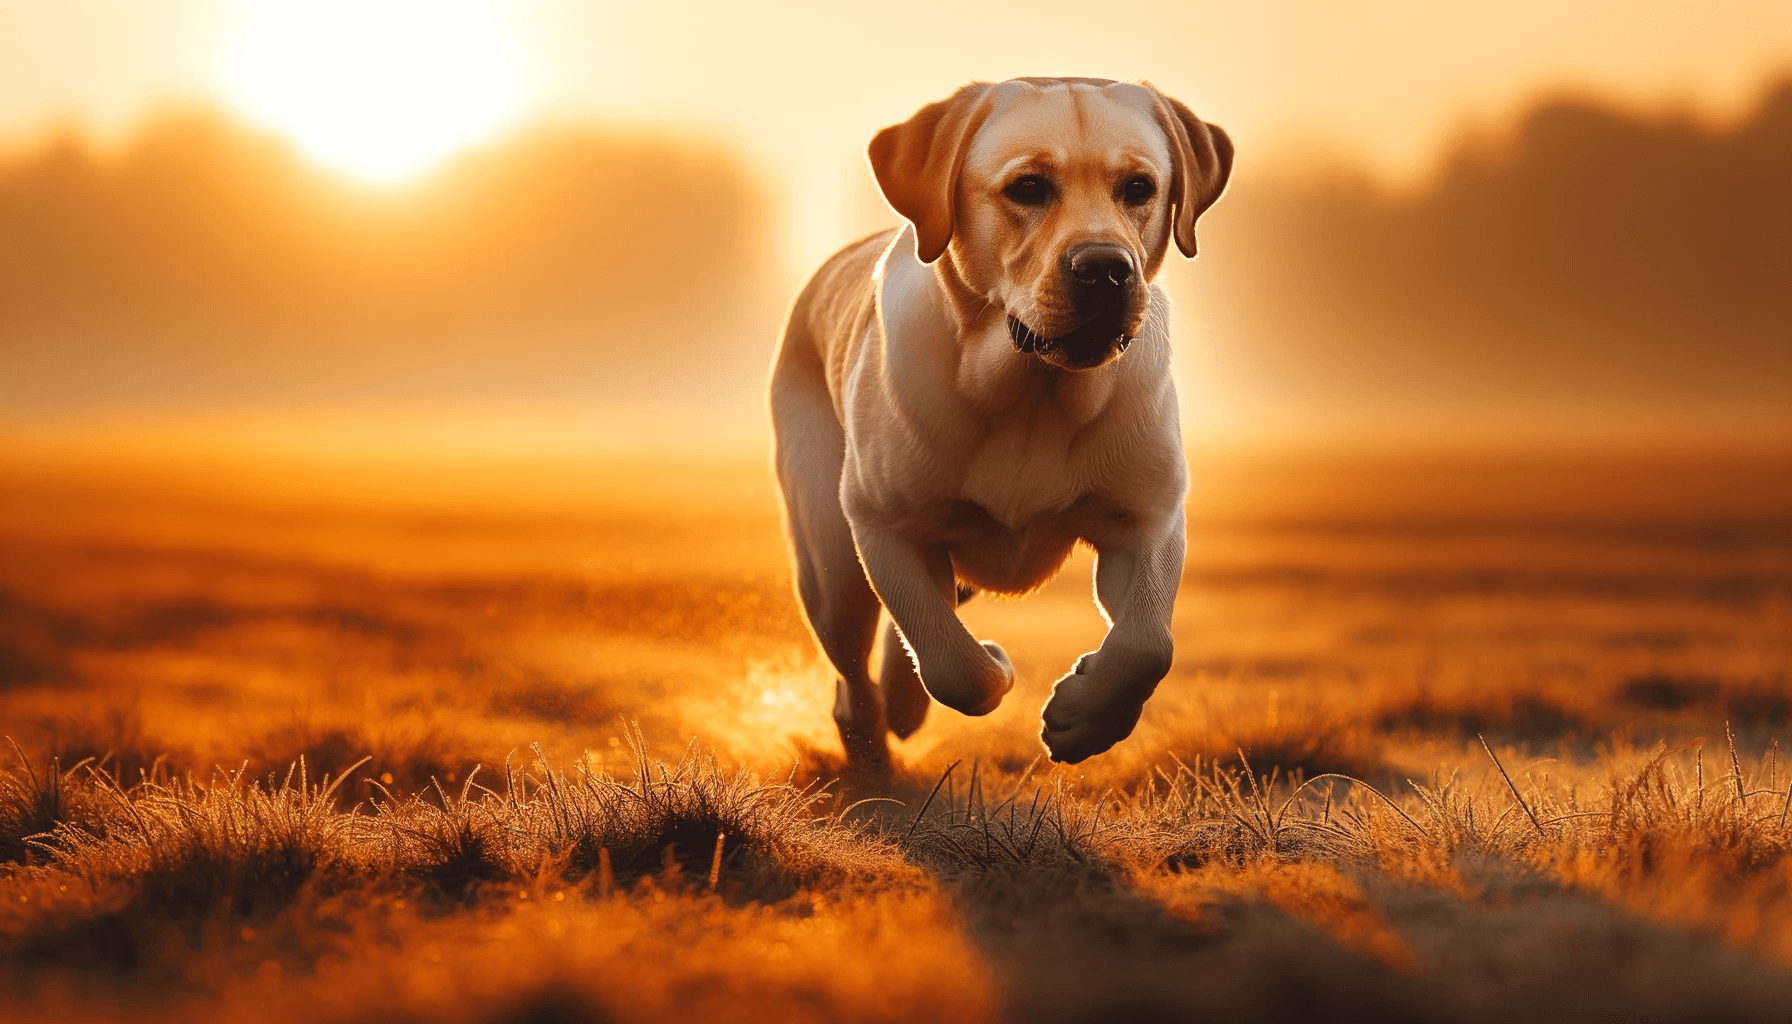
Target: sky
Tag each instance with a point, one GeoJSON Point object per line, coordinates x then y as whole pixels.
{"type": "Point", "coordinates": [798, 87]}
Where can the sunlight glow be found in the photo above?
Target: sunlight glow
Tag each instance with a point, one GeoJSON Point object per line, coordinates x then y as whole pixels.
{"type": "Point", "coordinates": [382, 90]}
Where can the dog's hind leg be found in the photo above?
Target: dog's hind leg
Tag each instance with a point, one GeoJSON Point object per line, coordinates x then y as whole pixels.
{"type": "Point", "coordinates": [837, 600]}
{"type": "Point", "coordinates": [905, 699]}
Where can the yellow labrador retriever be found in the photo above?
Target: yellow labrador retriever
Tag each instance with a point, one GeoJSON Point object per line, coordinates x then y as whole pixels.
{"type": "Point", "coordinates": [958, 402]}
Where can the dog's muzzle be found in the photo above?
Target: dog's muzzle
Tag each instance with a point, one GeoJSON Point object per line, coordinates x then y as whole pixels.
{"type": "Point", "coordinates": [1087, 344]}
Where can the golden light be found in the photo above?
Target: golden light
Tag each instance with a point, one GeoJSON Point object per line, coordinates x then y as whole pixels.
{"type": "Point", "coordinates": [382, 90]}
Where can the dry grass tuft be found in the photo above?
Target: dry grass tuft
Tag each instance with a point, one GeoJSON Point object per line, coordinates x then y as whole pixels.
{"type": "Point", "coordinates": [677, 821]}
{"type": "Point", "coordinates": [234, 848]}
{"type": "Point", "coordinates": [34, 800]}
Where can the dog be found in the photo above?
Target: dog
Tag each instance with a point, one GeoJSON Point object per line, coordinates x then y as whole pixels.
{"type": "Point", "coordinates": [957, 402]}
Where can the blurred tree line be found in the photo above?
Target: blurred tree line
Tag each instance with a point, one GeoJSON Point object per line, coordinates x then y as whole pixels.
{"type": "Point", "coordinates": [205, 261]}
{"type": "Point", "coordinates": [1584, 258]}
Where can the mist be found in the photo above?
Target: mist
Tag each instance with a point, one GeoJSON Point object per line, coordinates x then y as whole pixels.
{"type": "Point", "coordinates": [1581, 265]}
{"type": "Point", "coordinates": [1584, 262]}
{"type": "Point", "coordinates": [206, 264]}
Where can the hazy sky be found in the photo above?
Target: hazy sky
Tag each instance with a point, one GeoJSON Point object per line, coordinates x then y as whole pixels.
{"type": "Point", "coordinates": [800, 86]}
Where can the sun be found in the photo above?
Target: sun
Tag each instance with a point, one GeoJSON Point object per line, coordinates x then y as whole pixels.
{"type": "Point", "coordinates": [382, 90]}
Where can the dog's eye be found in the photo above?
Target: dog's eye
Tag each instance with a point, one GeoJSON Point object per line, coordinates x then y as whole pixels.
{"type": "Point", "coordinates": [1028, 191]}
{"type": "Point", "coordinates": [1138, 190]}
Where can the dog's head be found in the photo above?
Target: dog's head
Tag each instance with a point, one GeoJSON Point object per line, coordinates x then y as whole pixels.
{"type": "Point", "coordinates": [1053, 200]}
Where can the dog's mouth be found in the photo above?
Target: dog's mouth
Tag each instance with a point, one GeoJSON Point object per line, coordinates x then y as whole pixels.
{"type": "Point", "coordinates": [1086, 345]}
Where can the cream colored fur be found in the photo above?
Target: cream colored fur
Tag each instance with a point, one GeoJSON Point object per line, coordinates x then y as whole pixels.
{"type": "Point", "coordinates": [922, 455]}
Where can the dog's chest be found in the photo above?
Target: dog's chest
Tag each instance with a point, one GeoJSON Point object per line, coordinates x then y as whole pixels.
{"type": "Point", "coordinates": [1024, 469]}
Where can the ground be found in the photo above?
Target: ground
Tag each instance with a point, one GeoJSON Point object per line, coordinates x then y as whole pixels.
{"type": "Point", "coordinates": [545, 739]}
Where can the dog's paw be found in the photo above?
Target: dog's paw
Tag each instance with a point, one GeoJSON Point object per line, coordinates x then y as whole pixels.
{"type": "Point", "coordinates": [994, 650]}
{"type": "Point", "coordinates": [1002, 684]}
{"type": "Point", "coordinates": [972, 689]}
{"type": "Point", "coordinates": [1071, 735]}
{"type": "Point", "coordinates": [1093, 708]}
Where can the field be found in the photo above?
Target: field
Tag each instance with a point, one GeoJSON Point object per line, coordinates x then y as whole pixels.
{"type": "Point", "coordinates": [544, 739]}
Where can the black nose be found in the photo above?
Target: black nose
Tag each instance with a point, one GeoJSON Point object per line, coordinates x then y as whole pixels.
{"type": "Point", "coordinates": [1098, 266]}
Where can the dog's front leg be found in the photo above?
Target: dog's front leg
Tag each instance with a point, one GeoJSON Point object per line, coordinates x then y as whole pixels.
{"type": "Point", "coordinates": [914, 581]}
{"type": "Point", "coordinates": [1098, 703]}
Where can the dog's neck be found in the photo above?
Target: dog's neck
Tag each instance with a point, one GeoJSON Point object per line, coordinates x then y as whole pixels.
{"type": "Point", "coordinates": [995, 379]}
{"type": "Point", "coordinates": [955, 338]}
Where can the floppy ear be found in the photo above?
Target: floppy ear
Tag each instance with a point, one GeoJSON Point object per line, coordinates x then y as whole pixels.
{"type": "Point", "coordinates": [917, 164]}
{"type": "Point", "coordinates": [1203, 159]}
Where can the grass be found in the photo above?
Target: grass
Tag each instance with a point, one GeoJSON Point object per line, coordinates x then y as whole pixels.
{"type": "Point", "coordinates": [408, 762]}
{"type": "Point", "coordinates": [1053, 884]}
